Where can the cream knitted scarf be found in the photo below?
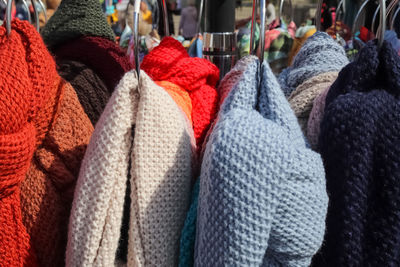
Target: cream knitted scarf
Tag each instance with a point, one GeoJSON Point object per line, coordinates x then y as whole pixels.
{"type": "Point", "coordinates": [161, 154]}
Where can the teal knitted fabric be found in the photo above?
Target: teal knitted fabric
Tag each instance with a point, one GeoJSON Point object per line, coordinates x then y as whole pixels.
{"type": "Point", "coordinates": [262, 199]}
{"type": "Point", "coordinates": [186, 253]}
{"type": "Point", "coordinates": [76, 18]}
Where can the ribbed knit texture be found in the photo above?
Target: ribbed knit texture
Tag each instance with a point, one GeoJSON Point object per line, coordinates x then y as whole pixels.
{"type": "Point", "coordinates": [105, 58]}
{"type": "Point", "coordinates": [262, 198]}
{"type": "Point", "coordinates": [170, 62]}
{"type": "Point", "coordinates": [315, 118]}
{"type": "Point", "coordinates": [187, 243]}
{"type": "Point", "coordinates": [76, 18]}
{"type": "Point", "coordinates": [360, 145]}
{"type": "Point", "coordinates": [302, 99]}
{"type": "Point", "coordinates": [48, 189]}
{"type": "Point", "coordinates": [319, 54]}
{"type": "Point", "coordinates": [92, 92]}
{"type": "Point", "coordinates": [161, 156]}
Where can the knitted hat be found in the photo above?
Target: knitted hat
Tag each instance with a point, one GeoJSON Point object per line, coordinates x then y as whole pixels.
{"type": "Point", "coordinates": [76, 18]}
{"type": "Point", "coordinates": [160, 153]}
{"type": "Point", "coordinates": [94, 66]}
{"type": "Point", "coordinates": [170, 62]}
{"type": "Point", "coordinates": [91, 90]}
{"type": "Point", "coordinates": [315, 118]}
{"type": "Point", "coordinates": [301, 100]}
{"type": "Point", "coordinates": [319, 54]}
{"type": "Point", "coordinates": [262, 199]}
{"type": "Point", "coordinates": [187, 243]}
{"type": "Point", "coordinates": [359, 143]}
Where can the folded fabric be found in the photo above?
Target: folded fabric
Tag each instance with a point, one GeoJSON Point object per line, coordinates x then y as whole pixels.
{"type": "Point", "coordinates": [161, 159]}
{"type": "Point", "coordinates": [360, 144]}
{"type": "Point", "coordinates": [170, 62]}
{"type": "Point", "coordinates": [76, 18]}
{"type": "Point", "coordinates": [101, 59]}
{"type": "Point", "coordinates": [262, 199]}
{"type": "Point", "coordinates": [319, 54]}
{"type": "Point", "coordinates": [187, 243]}
{"type": "Point", "coordinates": [41, 144]}
{"type": "Point", "coordinates": [302, 99]}
{"type": "Point", "coordinates": [315, 118]}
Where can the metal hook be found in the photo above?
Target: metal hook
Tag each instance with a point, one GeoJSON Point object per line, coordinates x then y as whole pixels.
{"type": "Point", "coordinates": [136, 14]}
{"type": "Point", "coordinates": [360, 10]}
{"type": "Point", "coordinates": [165, 12]}
{"type": "Point", "coordinates": [27, 9]}
{"type": "Point", "coordinates": [341, 5]}
{"type": "Point", "coordinates": [291, 9]}
{"type": "Point", "coordinates": [253, 23]}
{"type": "Point", "coordinates": [44, 10]}
{"type": "Point", "coordinates": [382, 23]}
{"type": "Point", "coordinates": [199, 30]}
{"type": "Point", "coordinates": [394, 18]}
{"type": "Point", "coordinates": [263, 16]}
{"type": "Point", "coordinates": [318, 14]}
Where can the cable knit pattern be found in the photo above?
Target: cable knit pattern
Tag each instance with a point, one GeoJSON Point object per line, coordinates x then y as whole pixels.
{"type": "Point", "coordinates": [90, 88]}
{"type": "Point", "coordinates": [161, 156]}
{"type": "Point", "coordinates": [319, 54]}
{"type": "Point", "coordinates": [315, 118]}
{"type": "Point", "coordinates": [170, 62]}
{"type": "Point", "coordinates": [76, 18]}
{"type": "Point", "coordinates": [262, 194]}
{"type": "Point", "coordinates": [360, 145]}
{"type": "Point", "coordinates": [186, 252]}
{"type": "Point", "coordinates": [301, 100]}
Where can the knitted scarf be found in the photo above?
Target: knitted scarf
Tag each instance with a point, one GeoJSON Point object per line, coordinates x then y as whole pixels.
{"type": "Point", "coordinates": [319, 54]}
{"type": "Point", "coordinates": [360, 145]}
{"type": "Point", "coordinates": [301, 100]}
{"type": "Point", "coordinates": [170, 62]}
{"type": "Point", "coordinates": [187, 242]}
{"type": "Point", "coordinates": [76, 18]}
{"type": "Point", "coordinates": [262, 197]}
{"type": "Point", "coordinates": [161, 159]}
{"type": "Point", "coordinates": [39, 99]}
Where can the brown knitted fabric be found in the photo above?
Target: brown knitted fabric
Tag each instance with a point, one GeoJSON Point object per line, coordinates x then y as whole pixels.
{"type": "Point", "coordinates": [47, 191]}
{"type": "Point", "coordinates": [90, 88]}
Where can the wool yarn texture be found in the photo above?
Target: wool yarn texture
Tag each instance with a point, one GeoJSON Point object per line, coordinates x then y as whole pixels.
{"type": "Point", "coordinates": [319, 54]}
{"type": "Point", "coordinates": [104, 58]}
{"type": "Point", "coordinates": [39, 99]}
{"type": "Point", "coordinates": [187, 242]}
{"type": "Point", "coordinates": [92, 92]}
{"type": "Point", "coordinates": [302, 99]}
{"type": "Point", "coordinates": [48, 189]}
{"type": "Point", "coordinates": [360, 144]}
{"type": "Point", "coordinates": [315, 118]}
{"type": "Point", "coordinates": [150, 131]}
{"type": "Point", "coordinates": [169, 61]}
{"type": "Point", "coordinates": [262, 199]}
{"type": "Point", "coordinates": [76, 18]}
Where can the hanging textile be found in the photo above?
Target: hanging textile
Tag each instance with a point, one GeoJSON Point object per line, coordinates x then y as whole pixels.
{"type": "Point", "coordinates": [359, 143]}
{"type": "Point", "coordinates": [262, 192]}
{"type": "Point", "coordinates": [60, 130]}
{"type": "Point", "coordinates": [145, 126]}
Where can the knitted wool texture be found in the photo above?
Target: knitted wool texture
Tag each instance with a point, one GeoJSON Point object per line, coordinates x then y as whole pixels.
{"type": "Point", "coordinates": [161, 156]}
{"type": "Point", "coordinates": [360, 145]}
{"type": "Point", "coordinates": [187, 242]}
{"type": "Point", "coordinates": [170, 62]}
{"type": "Point", "coordinates": [262, 199]}
{"type": "Point", "coordinates": [35, 93]}
{"type": "Point", "coordinates": [48, 189]}
{"type": "Point", "coordinates": [318, 55]}
{"type": "Point", "coordinates": [315, 118]}
{"type": "Point", "coordinates": [92, 92]}
{"type": "Point", "coordinates": [301, 100]}
{"type": "Point", "coordinates": [107, 61]}
{"type": "Point", "coordinates": [76, 18]}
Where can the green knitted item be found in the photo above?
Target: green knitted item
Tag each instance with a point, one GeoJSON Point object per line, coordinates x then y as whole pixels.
{"type": "Point", "coordinates": [76, 18]}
